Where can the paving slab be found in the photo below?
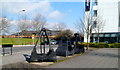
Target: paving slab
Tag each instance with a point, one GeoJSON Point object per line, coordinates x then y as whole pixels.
{"type": "Point", "coordinates": [93, 58]}
{"type": "Point", "coordinates": [16, 57]}
{"type": "Point", "coordinates": [102, 58]}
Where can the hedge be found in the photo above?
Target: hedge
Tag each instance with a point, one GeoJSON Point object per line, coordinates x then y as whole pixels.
{"type": "Point", "coordinates": [101, 45]}
{"type": "Point", "coordinates": [92, 45]}
{"type": "Point", "coordinates": [115, 45]}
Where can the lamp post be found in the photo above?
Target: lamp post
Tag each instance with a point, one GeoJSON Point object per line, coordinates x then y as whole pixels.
{"type": "Point", "coordinates": [23, 10]}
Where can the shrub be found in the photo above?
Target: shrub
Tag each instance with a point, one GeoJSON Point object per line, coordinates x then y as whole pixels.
{"type": "Point", "coordinates": [102, 45]}
{"type": "Point", "coordinates": [115, 45]}
{"type": "Point", "coordinates": [92, 45]}
{"type": "Point", "coordinates": [110, 45]}
{"type": "Point", "coordinates": [81, 44]}
{"type": "Point", "coordinates": [85, 44]}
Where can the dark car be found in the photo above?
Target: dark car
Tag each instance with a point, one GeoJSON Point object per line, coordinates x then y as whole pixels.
{"type": "Point", "coordinates": [45, 43]}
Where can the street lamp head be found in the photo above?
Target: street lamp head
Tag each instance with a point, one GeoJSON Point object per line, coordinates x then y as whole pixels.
{"type": "Point", "coordinates": [23, 10]}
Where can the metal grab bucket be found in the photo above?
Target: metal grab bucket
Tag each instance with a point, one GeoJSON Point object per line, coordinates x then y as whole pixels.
{"type": "Point", "coordinates": [65, 47]}
{"type": "Point", "coordinates": [50, 56]}
{"type": "Point", "coordinates": [42, 55]}
{"type": "Point", "coordinates": [78, 48]}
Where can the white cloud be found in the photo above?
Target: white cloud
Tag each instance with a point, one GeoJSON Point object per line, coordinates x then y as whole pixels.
{"type": "Point", "coordinates": [18, 0]}
{"type": "Point", "coordinates": [50, 25]}
{"type": "Point", "coordinates": [14, 1]}
{"type": "Point", "coordinates": [29, 6]}
{"type": "Point", "coordinates": [42, 7]}
{"type": "Point", "coordinates": [55, 15]}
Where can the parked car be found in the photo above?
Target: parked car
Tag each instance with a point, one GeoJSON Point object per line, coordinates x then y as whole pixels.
{"type": "Point", "coordinates": [53, 42]}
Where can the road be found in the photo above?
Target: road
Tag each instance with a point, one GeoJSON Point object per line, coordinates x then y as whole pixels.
{"type": "Point", "coordinates": [102, 58]}
{"type": "Point", "coordinates": [22, 49]}
{"type": "Point", "coordinates": [18, 53]}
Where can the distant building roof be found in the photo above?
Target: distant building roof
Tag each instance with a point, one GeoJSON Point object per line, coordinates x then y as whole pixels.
{"type": "Point", "coordinates": [29, 33]}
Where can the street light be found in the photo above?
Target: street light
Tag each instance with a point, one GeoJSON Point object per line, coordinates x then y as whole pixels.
{"type": "Point", "coordinates": [23, 10]}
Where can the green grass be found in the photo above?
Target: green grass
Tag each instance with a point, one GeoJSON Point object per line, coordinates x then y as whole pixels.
{"type": "Point", "coordinates": [16, 41]}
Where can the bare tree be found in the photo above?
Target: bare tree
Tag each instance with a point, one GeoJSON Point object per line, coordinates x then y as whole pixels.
{"type": "Point", "coordinates": [65, 33]}
{"type": "Point", "coordinates": [4, 26]}
{"type": "Point", "coordinates": [85, 26]}
{"type": "Point", "coordinates": [98, 26]}
{"type": "Point", "coordinates": [60, 26]}
{"type": "Point", "coordinates": [24, 25]}
{"type": "Point", "coordinates": [89, 24]}
{"type": "Point", "coordinates": [38, 22]}
{"type": "Point", "coordinates": [80, 26]}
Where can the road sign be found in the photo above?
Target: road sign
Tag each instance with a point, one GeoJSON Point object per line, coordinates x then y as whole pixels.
{"type": "Point", "coordinates": [33, 36]}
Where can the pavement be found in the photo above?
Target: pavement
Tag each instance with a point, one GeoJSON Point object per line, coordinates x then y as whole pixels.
{"type": "Point", "coordinates": [18, 54]}
{"type": "Point", "coordinates": [102, 58]}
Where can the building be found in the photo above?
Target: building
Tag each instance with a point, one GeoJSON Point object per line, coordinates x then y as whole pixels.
{"type": "Point", "coordinates": [109, 11]}
{"type": "Point", "coordinates": [28, 34]}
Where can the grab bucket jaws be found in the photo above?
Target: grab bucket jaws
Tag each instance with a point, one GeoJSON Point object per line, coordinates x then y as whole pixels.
{"type": "Point", "coordinates": [42, 55]}
{"type": "Point", "coordinates": [78, 48]}
{"type": "Point", "coordinates": [65, 47]}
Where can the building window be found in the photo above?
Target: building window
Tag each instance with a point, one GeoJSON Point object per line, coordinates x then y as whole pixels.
{"type": "Point", "coordinates": [118, 37]}
{"type": "Point", "coordinates": [94, 35]}
{"type": "Point", "coordinates": [95, 24]}
{"type": "Point", "coordinates": [119, 13]}
{"type": "Point", "coordinates": [107, 35]}
{"type": "Point", "coordinates": [95, 13]}
{"type": "Point", "coordinates": [113, 35]}
{"type": "Point", "coordinates": [96, 2]}
{"type": "Point", "coordinates": [119, 19]}
{"type": "Point", "coordinates": [118, 34]}
{"type": "Point", "coordinates": [87, 5]}
{"type": "Point", "coordinates": [101, 35]}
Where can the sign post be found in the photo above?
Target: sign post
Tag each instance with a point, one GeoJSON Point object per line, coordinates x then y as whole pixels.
{"type": "Point", "coordinates": [33, 38]}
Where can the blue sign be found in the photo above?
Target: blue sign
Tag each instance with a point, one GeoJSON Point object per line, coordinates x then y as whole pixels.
{"type": "Point", "coordinates": [87, 5]}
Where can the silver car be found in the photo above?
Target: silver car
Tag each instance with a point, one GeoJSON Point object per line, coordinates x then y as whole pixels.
{"type": "Point", "coordinates": [53, 42]}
